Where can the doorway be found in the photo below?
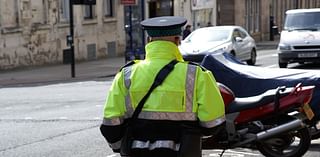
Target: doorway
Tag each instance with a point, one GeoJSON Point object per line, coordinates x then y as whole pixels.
{"type": "Point", "coordinates": [160, 8]}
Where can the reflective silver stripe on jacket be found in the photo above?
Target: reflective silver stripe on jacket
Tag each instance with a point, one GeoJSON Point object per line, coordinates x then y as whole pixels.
{"type": "Point", "coordinates": [112, 121]}
{"type": "Point", "coordinates": [127, 82]}
{"type": "Point", "coordinates": [115, 145]}
{"type": "Point", "coordinates": [213, 123]}
{"type": "Point", "coordinates": [178, 116]}
{"type": "Point", "coordinates": [190, 82]}
{"type": "Point", "coordinates": [157, 144]}
{"type": "Point", "coordinates": [127, 74]}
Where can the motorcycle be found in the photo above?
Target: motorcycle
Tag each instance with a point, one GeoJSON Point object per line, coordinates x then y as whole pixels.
{"type": "Point", "coordinates": [269, 122]}
{"type": "Point", "coordinates": [247, 80]}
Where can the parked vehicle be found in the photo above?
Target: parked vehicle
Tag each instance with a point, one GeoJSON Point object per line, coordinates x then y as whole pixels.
{"type": "Point", "coordinates": [300, 38]}
{"type": "Point", "coordinates": [232, 39]}
{"type": "Point", "coordinates": [246, 81]}
{"type": "Point", "coordinates": [265, 122]}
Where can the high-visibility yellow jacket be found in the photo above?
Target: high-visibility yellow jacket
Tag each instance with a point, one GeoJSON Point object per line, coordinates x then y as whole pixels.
{"type": "Point", "coordinates": [188, 94]}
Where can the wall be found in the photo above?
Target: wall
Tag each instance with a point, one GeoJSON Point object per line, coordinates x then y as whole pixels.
{"type": "Point", "coordinates": [33, 33]}
{"type": "Point", "coordinates": [203, 14]}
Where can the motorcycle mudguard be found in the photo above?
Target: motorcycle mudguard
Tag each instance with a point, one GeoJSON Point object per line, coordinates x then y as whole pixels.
{"type": "Point", "coordinates": [246, 80]}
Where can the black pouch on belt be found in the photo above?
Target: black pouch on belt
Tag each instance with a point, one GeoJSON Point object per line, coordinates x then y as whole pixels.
{"type": "Point", "coordinates": [190, 143]}
{"type": "Point", "coordinates": [126, 142]}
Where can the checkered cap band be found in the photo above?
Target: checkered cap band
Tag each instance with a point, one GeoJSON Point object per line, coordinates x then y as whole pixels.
{"type": "Point", "coordinates": [164, 32]}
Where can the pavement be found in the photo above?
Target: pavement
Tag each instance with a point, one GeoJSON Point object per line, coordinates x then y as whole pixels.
{"type": "Point", "coordinates": [88, 70]}
{"type": "Point", "coordinates": [268, 44]}
{"type": "Point", "coordinates": [50, 74]}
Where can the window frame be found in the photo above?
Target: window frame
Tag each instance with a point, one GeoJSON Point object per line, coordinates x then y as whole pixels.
{"type": "Point", "coordinates": [89, 12]}
{"type": "Point", "coordinates": [257, 15]}
{"type": "Point", "coordinates": [15, 20]}
{"type": "Point", "coordinates": [64, 11]}
{"type": "Point", "coordinates": [253, 16]}
{"type": "Point", "coordinates": [108, 8]}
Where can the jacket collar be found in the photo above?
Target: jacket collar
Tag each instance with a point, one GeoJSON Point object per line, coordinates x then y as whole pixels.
{"type": "Point", "coordinates": [163, 50]}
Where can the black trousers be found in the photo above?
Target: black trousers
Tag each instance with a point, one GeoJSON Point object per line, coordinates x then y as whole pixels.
{"type": "Point", "coordinates": [154, 153]}
{"type": "Point", "coordinates": [164, 153]}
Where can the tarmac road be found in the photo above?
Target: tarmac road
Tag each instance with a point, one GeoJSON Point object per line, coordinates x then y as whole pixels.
{"type": "Point", "coordinates": [63, 120]}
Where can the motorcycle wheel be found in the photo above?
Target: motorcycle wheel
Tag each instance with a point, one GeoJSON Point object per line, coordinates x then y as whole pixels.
{"type": "Point", "coordinates": [286, 145]}
{"type": "Point", "coordinates": [315, 134]}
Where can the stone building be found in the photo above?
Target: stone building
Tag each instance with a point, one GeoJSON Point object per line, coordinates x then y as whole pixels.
{"type": "Point", "coordinates": [199, 13]}
{"type": "Point", "coordinates": [33, 32]}
{"type": "Point", "coordinates": [258, 16]}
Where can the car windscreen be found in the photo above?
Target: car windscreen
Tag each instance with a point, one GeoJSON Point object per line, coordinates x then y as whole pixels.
{"type": "Point", "coordinates": [208, 35]}
{"type": "Point", "coordinates": [302, 21]}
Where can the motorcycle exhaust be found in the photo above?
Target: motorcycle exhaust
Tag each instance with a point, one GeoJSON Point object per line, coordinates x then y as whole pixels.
{"type": "Point", "coordinates": [295, 124]}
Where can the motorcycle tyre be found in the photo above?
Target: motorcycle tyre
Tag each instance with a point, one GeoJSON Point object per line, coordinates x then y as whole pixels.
{"type": "Point", "coordinates": [315, 134]}
{"type": "Point", "coordinates": [305, 141]}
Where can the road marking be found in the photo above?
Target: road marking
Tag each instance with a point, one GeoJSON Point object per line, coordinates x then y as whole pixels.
{"type": "Point", "coordinates": [63, 117]}
{"type": "Point", "coordinates": [245, 153]}
{"type": "Point", "coordinates": [227, 154]}
{"type": "Point", "coordinates": [267, 56]}
{"type": "Point", "coordinates": [272, 66]}
{"type": "Point", "coordinates": [97, 118]}
{"type": "Point", "coordinates": [234, 153]}
{"type": "Point", "coordinates": [28, 118]}
{"type": "Point", "coordinates": [113, 155]}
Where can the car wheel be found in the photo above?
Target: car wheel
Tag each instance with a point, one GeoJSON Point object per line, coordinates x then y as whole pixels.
{"type": "Point", "coordinates": [283, 65]}
{"type": "Point", "coordinates": [253, 58]}
{"type": "Point", "coordinates": [233, 53]}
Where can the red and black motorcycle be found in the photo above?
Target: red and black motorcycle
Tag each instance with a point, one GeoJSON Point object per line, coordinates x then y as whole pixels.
{"type": "Point", "coordinates": [269, 122]}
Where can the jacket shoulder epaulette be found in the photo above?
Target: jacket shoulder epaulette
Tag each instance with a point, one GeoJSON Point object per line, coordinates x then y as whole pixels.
{"type": "Point", "coordinates": [127, 65]}
{"type": "Point", "coordinates": [197, 64]}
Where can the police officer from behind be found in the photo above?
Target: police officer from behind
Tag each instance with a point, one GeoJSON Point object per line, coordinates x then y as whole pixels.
{"type": "Point", "coordinates": [188, 102]}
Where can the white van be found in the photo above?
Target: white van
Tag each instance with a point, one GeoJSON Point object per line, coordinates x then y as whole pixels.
{"type": "Point", "coordinates": [300, 38]}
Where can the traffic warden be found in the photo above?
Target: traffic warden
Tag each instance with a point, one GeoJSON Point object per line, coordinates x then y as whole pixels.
{"type": "Point", "coordinates": [188, 102]}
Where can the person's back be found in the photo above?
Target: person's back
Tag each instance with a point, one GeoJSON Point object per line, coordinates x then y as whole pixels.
{"type": "Point", "coordinates": [186, 32]}
{"type": "Point", "coordinates": [187, 101]}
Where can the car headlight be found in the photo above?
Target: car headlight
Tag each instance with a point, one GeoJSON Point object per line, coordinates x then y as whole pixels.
{"type": "Point", "coordinates": [221, 48]}
{"type": "Point", "coordinates": [284, 47]}
{"type": "Point", "coordinates": [217, 50]}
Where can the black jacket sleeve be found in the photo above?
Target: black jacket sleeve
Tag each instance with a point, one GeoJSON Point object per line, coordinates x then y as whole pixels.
{"type": "Point", "coordinates": [113, 134]}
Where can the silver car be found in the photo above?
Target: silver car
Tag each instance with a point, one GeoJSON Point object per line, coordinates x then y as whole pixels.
{"type": "Point", "coordinates": [232, 39]}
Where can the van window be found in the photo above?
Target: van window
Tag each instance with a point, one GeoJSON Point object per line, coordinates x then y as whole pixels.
{"type": "Point", "coordinates": [302, 21]}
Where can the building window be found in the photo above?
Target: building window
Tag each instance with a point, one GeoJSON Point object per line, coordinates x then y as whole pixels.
{"type": "Point", "coordinates": [64, 10]}
{"type": "Point", "coordinates": [247, 16]}
{"type": "Point", "coordinates": [161, 8]}
{"type": "Point", "coordinates": [108, 8]}
{"type": "Point", "coordinates": [257, 16]}
{"type": "Point", "coordinates": [39, 11]}
{"type": "Point", "coordinates": [275, 10]}
{"type": "Point", "coordinates": [283, 10]}
{"type": "Point", "coordinates": [307, 2]}
{"type": "Point", "coordinates": [316, 4]}
{"type": "Point", "coordinates": [253, 14]}
{"type": "Point", "coordinates": [89, 11]}
{"type": "Point", "coordinates": [9, 15]}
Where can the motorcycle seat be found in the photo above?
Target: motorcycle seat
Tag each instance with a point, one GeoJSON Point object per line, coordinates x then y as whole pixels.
{"type": "Point", "coordinates": [245, 103]}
